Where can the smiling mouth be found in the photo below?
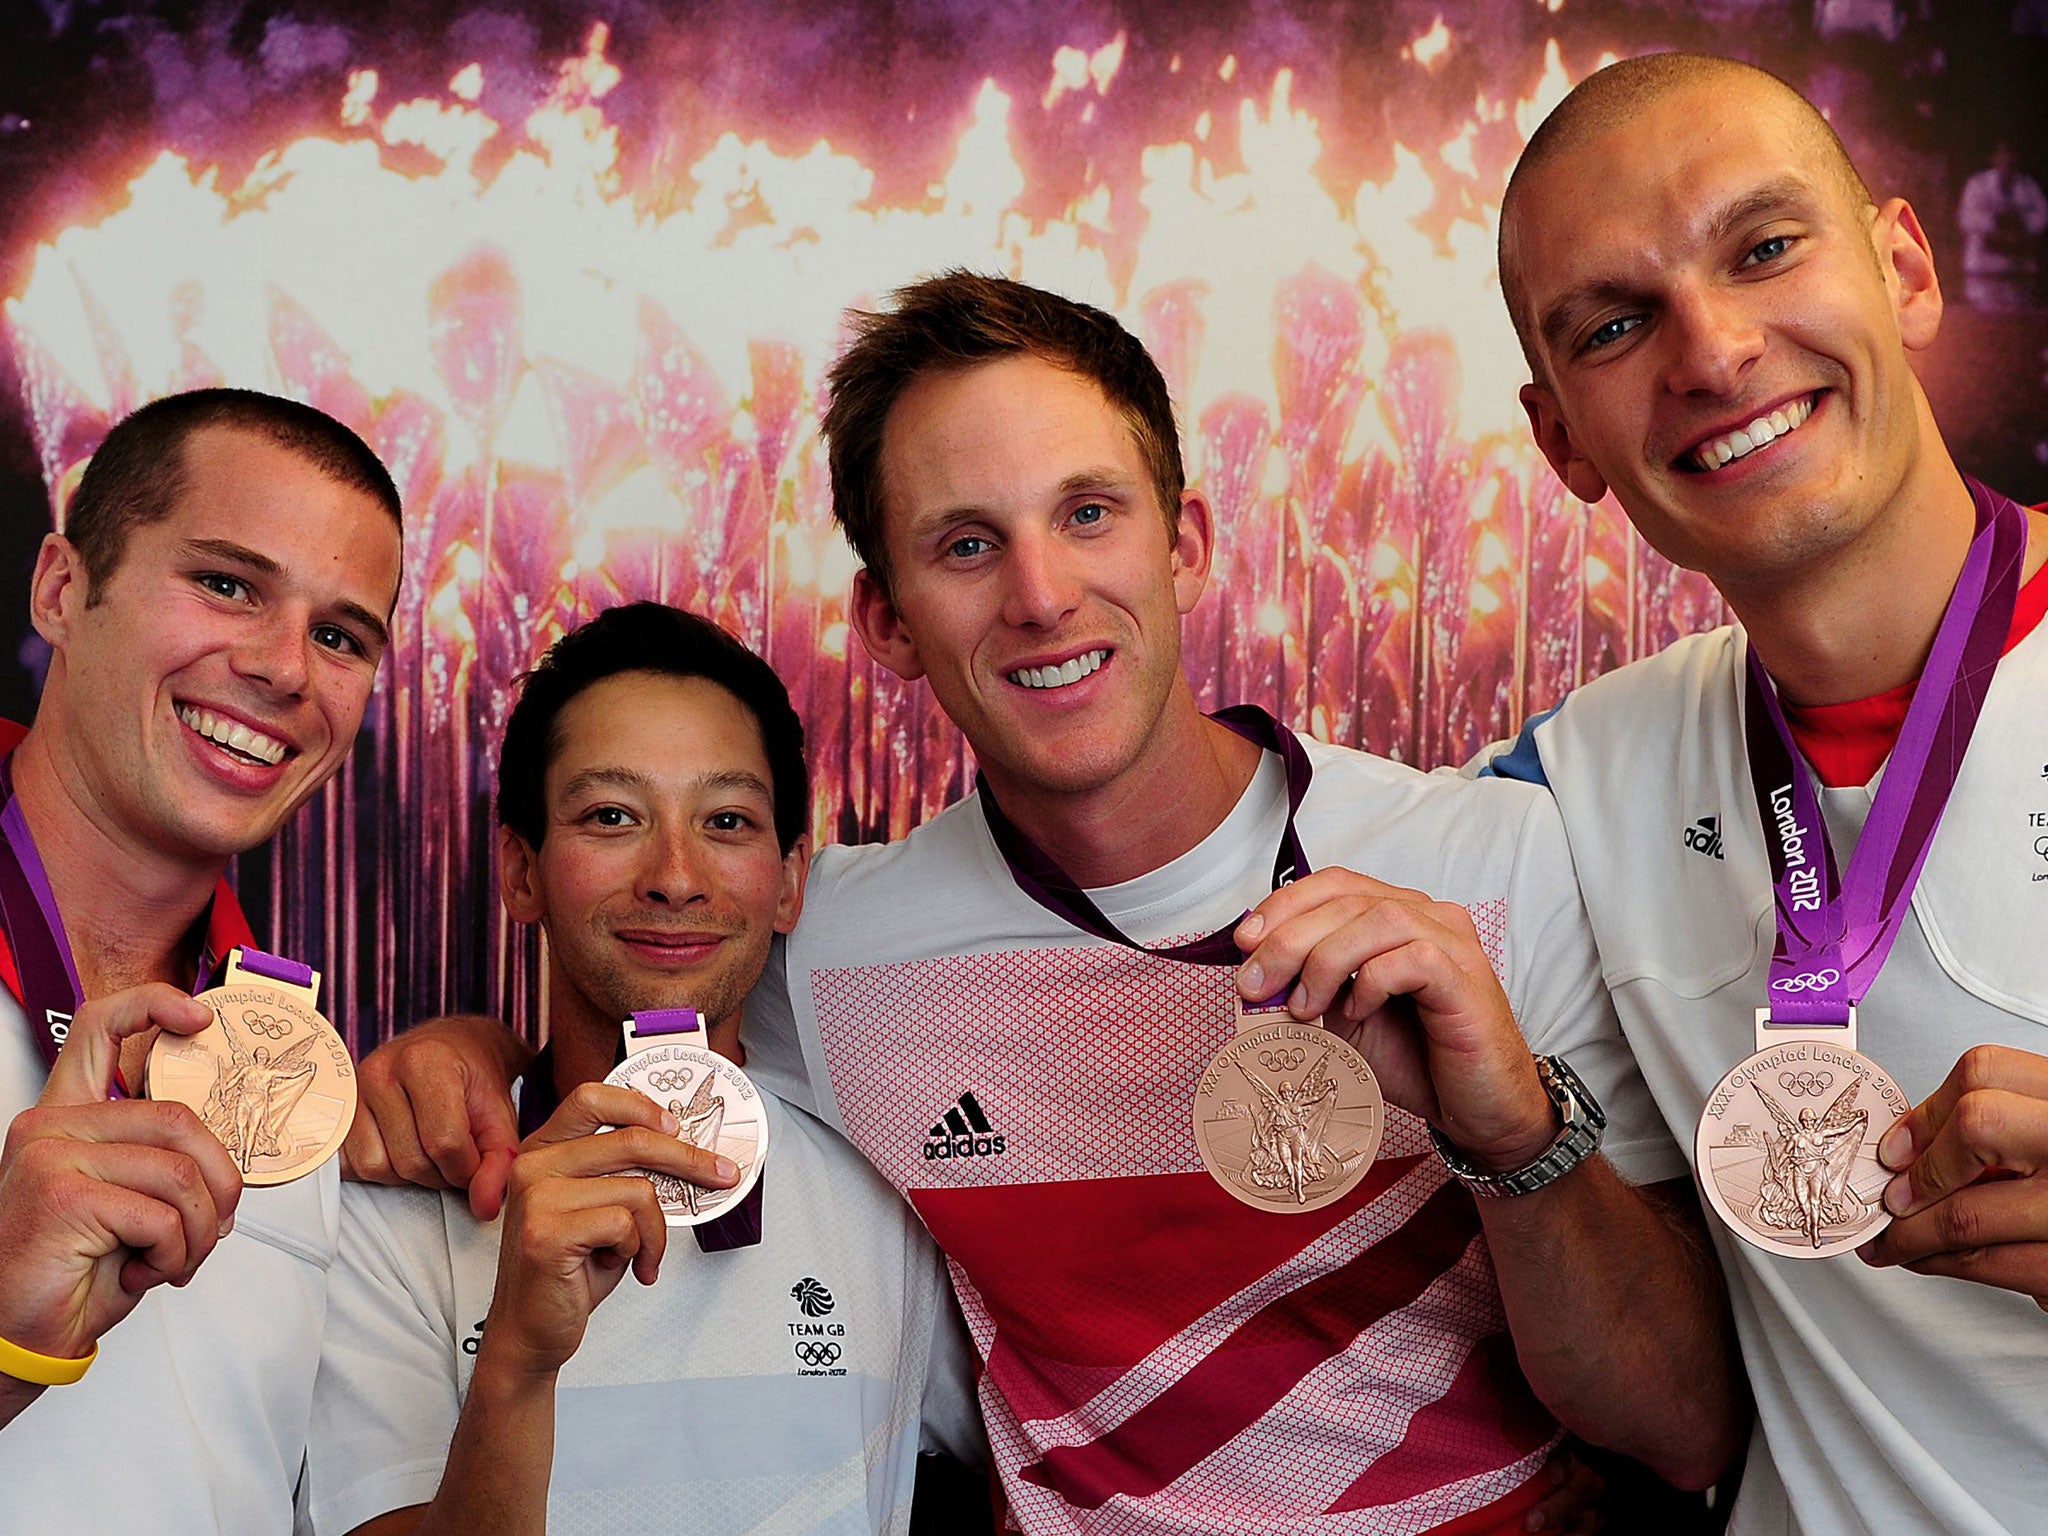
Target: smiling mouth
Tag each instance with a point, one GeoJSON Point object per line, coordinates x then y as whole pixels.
{"type": "Point", "coordinates": [234, 737]}
{"type": "Point", "coordinates": [1064, 675]}
{"type": "Point", "coordinates": [1759, 434]}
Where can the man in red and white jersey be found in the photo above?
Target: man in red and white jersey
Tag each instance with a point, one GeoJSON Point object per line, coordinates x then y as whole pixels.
{"type": "Point", "coordinates": [1720, 321]}
{"type": "Point", "coordinates": [1008, 1013]}
{"type": "Point", "coordinates": [215, 609]}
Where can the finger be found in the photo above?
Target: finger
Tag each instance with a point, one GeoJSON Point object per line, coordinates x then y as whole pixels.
{"type": "Point", "coordinates": [364, 1157]}
{"type": "Point", "coordinates": [571, 1233]}
{"type": "Point", "coordinates": [383, 1100]}
{"type": "Point", "coordinates": [1575, 1489]}
{"type": "Point", "coordinates": [1298, 897]}
{"type": "Point", "coordinates": [1985, 1215]}
{"type": "Point", "coordinates": [494, 1132]}
{"type": "Point", "coordinates": [2021, 1267]}
{"type": "Point", "coordinates": [437, 1099]}
{"type": "Point", "coordinates": [1275, 964]}
{"type": "Point", "coordinates": [1980, 1067]}
{"type": "Point", "coordinates": [139, 1123]}
{"type": "Point", "coordinates": [87, 1067]}
{"type": "Point", "coordinates": [594, 1106]}
{"type": "Point", "coordinates": [1985, 1128]}
{"type": "Point", "coordinates": [493, 1178]}
{"type": "Point", "coordinates": [630, 1149]}
{"type": "Point", "coordinates": [633, 1195]}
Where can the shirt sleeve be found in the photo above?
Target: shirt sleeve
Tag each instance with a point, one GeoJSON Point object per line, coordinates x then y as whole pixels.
{"type": "Point", "coordinates": [1555, 985]}
{"type": "Point", "coordinates": [385, 1399]}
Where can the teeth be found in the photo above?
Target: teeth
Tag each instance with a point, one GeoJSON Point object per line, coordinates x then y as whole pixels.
{"type": "Point", "coordinates": [233, 734]}
{"type": "Point", "coordinates": [1060, 676]}
{"type": "Point", "coordinates": [1758, 434]}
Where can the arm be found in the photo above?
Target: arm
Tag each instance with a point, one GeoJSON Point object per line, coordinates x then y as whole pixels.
{"type": "Point", "coordinates": [436, 1110]}
{"type": "Point", "coordinates": [571, 1232]}
{"type": "Point", "coordinates": [1614, 1299]}
{"type": "Point", "coordinates": [100, 1200]}
{"type": "Point", "coordinates": [1970, 1199]}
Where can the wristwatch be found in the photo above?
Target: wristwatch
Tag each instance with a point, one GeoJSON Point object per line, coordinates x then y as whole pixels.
{"type": "Point", "coordinates": [1584, 1121]}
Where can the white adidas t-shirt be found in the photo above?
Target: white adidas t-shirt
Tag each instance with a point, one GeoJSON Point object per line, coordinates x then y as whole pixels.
{"type": "Point", "coordinates": [1157, 1356]}
{"type": "Point", "coordinates": [776, 1389]}
{"type": "Point", "coordinates": [193, 1418]}
{"type": "Point", "coordinates": [1887, 1401]}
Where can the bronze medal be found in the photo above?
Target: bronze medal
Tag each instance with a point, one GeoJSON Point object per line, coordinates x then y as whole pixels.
{"type": "Point", "coordinates": [269, 1077]}
{"type": "Point", "coordinates": [1287, 1116]}
{"type": "Point", "coordinates": [717, 1106]}
{"type": "Point", "coordinates": [1786, 1150]}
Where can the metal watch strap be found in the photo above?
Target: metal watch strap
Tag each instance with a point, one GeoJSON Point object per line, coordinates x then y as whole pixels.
{"type": "Point", "coordinates": [1584, 1123]}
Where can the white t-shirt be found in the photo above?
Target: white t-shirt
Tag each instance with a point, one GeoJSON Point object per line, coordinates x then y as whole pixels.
{"type": "Point", "coordinates": [775, 1389]}
{"type": "Point", "coordinates": [1157, 1356]}
{"type": "Point", "coordinates": [1888, 1401]}
{"type": "Point", "coordinates": [193, 1419]}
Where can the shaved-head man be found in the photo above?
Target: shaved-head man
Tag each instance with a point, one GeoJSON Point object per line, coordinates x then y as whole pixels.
{"type": "Point", "coordinates": [1719, 321]}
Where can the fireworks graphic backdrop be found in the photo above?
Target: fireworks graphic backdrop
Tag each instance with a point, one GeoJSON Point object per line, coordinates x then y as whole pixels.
{"type": "Point", "coordinates": [596, 381]}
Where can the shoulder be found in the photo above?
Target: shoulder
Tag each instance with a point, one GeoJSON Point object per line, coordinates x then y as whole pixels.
{"type": "Point", "coordinates": [954, 840]}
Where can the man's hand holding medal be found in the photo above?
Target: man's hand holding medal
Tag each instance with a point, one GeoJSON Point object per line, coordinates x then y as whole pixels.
{"type": "Point", "coordinates": [102, 1198]}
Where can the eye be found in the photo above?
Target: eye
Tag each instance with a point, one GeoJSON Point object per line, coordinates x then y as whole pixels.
{"type": "Point", "coordinates": [968, 545]}
{"type": "Point", "coordinates": [608, 816]}
{"type": "Point", "coordinates": [1090, 513]}
{"type": "Point", "coordinates": [1611, 331]}
{"type": "Point", "coordinates": [1765, 251]}
{"type": "Point", "coordinates": [730, 821]}
{"type": "Point", "coordinates": [220, 584]}
{"type": "Point", "coordinates": [335, 638]}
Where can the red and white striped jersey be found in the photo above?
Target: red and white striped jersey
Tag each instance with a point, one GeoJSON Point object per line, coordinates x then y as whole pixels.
{"type": "Point", "coordinates": [1158, 1357]}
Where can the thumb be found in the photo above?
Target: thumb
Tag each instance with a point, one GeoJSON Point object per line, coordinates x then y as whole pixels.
{"type": "Point", "coordinates": [88, 1067]}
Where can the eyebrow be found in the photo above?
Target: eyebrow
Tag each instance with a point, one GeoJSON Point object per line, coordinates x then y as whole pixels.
{"type": "Point", "coordinates": [229, 551]}
{"type": "Point", "coordinates": [1101, 480]}
{"type": "Point", "coordinates": [1774, 196]}
{"type": "Point", "coordinates": [629, 778]}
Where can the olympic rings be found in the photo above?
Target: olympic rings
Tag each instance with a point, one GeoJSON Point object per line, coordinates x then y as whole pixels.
{"type": "Point", "coordinates": [1803, 1085]}
{"type": "Point", "coordinates": [264, 1024]}
{"type": "Point", "coordinates": [1282, 1061]}
{"type": "Point", "coordinates": [669, 1079]}
{"type": "Point", "coordinates": [814, 1354]}
{"type": "Point", "coordinates": [1808, 981]}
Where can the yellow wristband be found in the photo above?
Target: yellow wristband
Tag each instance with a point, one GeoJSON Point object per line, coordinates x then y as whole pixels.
{"type": "Point", "coordinates": [43, 1370]}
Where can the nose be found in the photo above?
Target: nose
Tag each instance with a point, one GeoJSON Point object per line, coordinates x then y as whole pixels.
{"type": "Point", "coordinates": [276, 652]}
{"type": "Point", "coordinates": [1715, 341]}
{"type": "Point", "coordinates": [673, 875]}
{"type": "Point", "coordinates": [1042, 586]}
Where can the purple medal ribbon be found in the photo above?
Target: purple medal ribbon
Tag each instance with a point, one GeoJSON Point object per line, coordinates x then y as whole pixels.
{"type": "Point", "coordinates": [1835, 930]}
{"type": "Point", "coordinates": [739, 1227]}
{"type": "Point", "coordinates": [1039, 875]}
{"type": "Point", "coordinates": [50, 989]}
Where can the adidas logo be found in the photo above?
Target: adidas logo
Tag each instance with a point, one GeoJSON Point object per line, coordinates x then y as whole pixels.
{"type": "Point", "coordinates": [1704, 836]}
{"type": "Point", "coordinates": [965, 1132]}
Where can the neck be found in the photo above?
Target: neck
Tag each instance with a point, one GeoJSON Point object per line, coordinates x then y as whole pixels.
{"type": "Point", "coordinates": [586, 1038]}
{"type": "Point", "coordinates": [1862, 621]}
{"type": "Point", "coordinates": [128, 907]}
{"type": "Point", "coordinates": [1189, 774]}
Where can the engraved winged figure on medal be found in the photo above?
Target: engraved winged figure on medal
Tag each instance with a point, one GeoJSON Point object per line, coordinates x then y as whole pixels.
{"type": "Point", "coordinates": [253, 1097]}
{"type": "Point", "coordinates": [1807, 1164]}
{"type": "Point", "coordinates": [1289, 1126]}
{"type": "Point", "coordinates": [701, 1121]}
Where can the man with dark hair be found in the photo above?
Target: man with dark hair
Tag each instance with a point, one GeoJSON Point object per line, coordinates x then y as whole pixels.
{"type": "Point", "coordinates": [1721, 324]}
{"type": "Point", "coordinates": [653, 801]}
{"type": "Point", "coordinates": [1001, 1012]}
{"type": "Point", "coordinates": [215, 626]}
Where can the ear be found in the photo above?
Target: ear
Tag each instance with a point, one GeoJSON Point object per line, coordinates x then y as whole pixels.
{"type": "Point", "coordinates": [1554, 440]}
{"type": "Point", "coordinates": [518, 877]}
{"type": "Point", "coordinates": [1194, 548]}
{"type": "Point", "coordinates": [59, 590]}
{"type": "Point", "coordinates": [796, 869]}
{"type": "Point", "coordinates": [1907, 257]}
{"type": "Point", "coordinates": [881, 628]}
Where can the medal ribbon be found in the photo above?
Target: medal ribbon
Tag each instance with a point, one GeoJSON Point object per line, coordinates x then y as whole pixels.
{"type": "Point", "coordinates": [51, 992]}
{"type": "Point", "coordinates": [1834, 929]}
{"type": "Point", "coordinates": [1039, 875]}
